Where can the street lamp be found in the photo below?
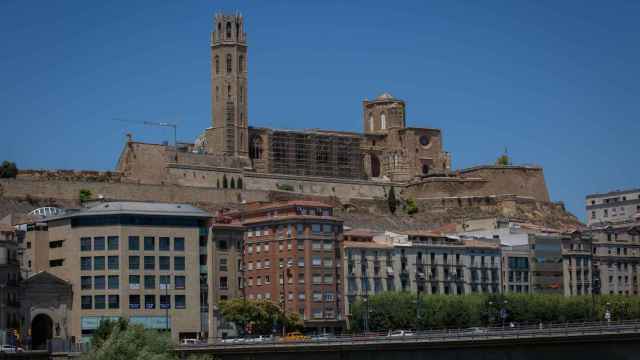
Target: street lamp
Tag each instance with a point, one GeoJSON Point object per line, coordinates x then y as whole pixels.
{"type": "Point", "coordinates": [366, 314]}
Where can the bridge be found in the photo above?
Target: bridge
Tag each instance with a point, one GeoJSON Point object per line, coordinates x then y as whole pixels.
{"type": "Point", "coordinates": [583, 341]}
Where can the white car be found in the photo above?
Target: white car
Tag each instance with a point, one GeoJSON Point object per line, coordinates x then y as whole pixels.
{"type": "Point", "coordinates": [10, 349]}
{"type": "Point", "coordinates": [397, 333]}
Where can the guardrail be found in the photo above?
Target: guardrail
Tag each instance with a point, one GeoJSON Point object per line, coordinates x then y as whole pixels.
{"type": "Point", "coordinates": [521, 331]}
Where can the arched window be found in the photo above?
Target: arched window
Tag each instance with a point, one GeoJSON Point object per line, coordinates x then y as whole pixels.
{"type": "Point", "coordinates": [238, 30]}
{"type": "Point", "coordinates": [370, 122]}
{"type": "Point", "coordinates": [241, 63]}
{"type": "Point", "coordinates": [229, 63]}
{"type": "Point", "coordinates": [217, 93]}
{"type": "Point", "coordinates": [241, 95]}
{"type": "Point", "coordinates": [383, 121]}
{"type": "Point", "coordinates": [217, 61]}
{"type": "Point", "coordinates": [255, 147]}
{"type": "Point", "coordinates": [228, 30]}
{"type": "Point", "coordinates": [241, 119]}
{"type": "Point", "coordinates": [229, 92]}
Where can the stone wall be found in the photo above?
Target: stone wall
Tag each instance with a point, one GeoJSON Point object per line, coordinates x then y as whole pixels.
{"type": "Point", "coordinates": [484, 181]}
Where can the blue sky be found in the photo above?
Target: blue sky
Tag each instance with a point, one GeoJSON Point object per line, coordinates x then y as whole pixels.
{"type": "Point", "coordinates": [556, 82]}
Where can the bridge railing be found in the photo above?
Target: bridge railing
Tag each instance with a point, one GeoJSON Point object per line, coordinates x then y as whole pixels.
{"type": "Point", "coordinates": [450, 334]}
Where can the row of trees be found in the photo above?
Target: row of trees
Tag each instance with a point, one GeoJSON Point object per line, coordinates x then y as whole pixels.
{"type": "Point", "coordinates": [120, 340]}
{"type": "Point", "coordinates": [397, 310]}
{"type": "Point", "coordinates": [258, 317]}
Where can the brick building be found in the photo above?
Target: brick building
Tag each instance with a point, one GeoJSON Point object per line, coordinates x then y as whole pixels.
{"type": "Point", "coordinates": [292, 258]}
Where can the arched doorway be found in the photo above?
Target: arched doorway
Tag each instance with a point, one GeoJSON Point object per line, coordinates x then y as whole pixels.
{"type": "Point", "coordinates": [375, 166]}
{"type": "Point", "coordinates": [41, 331]}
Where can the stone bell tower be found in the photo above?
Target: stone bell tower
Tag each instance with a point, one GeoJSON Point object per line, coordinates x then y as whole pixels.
{"type": "Point", "coordinates": [228, 134]}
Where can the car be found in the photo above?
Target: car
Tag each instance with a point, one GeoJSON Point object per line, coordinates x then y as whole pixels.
{"type": "Point", "coordinates": [10, 349]}
{"type": "Point", "coordinates": [189, 341]}
{"type": "Point", "coordinates": [476, 330]}
{"type": "Point", "coordinates": [397, 333]}
{"type": "Point", "coordinates": [296, 336]}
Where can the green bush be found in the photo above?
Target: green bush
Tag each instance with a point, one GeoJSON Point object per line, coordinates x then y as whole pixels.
{"type": "Point", "coordinates": [8, 169]}
{"type": "Point", "coordinates": [411, 207]}
{"type": "Point", "coordinates": [85, 195]}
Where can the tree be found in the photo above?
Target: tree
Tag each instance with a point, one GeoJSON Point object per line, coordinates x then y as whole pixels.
{"type": "Point", "coordinates": [8, 169]}
{"type": "Point", "coordinates": [503, 160]}
{"type": "Point", "coordinates": [392, 201]}
{"type": "Point", "coordinates": [411, 207]}
{"type": "Point", "coordinates": [224, 182]}
{"type": "Point", "coordinates": [85, 195]}
{"type": "Point", "coordinates": [119, 340]}
{"type": "Point", "coordinates": [262, 315]}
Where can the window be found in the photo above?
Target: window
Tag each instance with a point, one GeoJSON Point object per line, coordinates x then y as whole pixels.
{"type": "Point", "coordinates": [165, 301]}
{"type": "Point", "coordinates": [85, 263]}
{"type": "Point", "coordinates": [165, 263]}
{"type": "Point", "coordinates": [98, 243]}
{"type": "Point", "coordinates": [134, 262]}
{"type": "Point", "coordinates": [316, 260]}
{"type": "Point", "coordinates": [241, 64]}
{"type": "Point", "coordinates": [178, 244]}
{"type": "Point", "coordinates": [114, 282]}
{"type": "Point", "coordinates": [180, 302]}
{"type": "Point", "coordinates": [149, 301]}
{"type": "Point", "coordinates": [229, 65]}
{"type": "Point", "coordinates": [98, 263]}
{"type": "Point", "coordinates": [114, 263]}
{"type": "Point", "coordinates": [86, 302]}
{"type": "Point", "coordinates": [134, 243]}
{"type": "Point", "coordinates": [316, 229]}
{"type": "Point", "coordinates": [149, 243]}
{"type": "Point", "coordinates": [328, 244]}
{"type": "Point", "coordinates": [99, 282]}
{"type": "Point", "coordinates": [217, 61]}
{"type": "Point", "coordinates": [100, 301]}
{"type": "Point", "coordinates": [328, 262]}
{"type": "Point", "coordinates": [267, 279]}
{"type": "Point", "coordinates": [328, 296]}
{"type": "Point", "coordinates": [134, 301]}
{"type": "Point", "coordinates": [180, 282]}
{"type": "Point", "coordinates": [328, 279]}
{"type": "Point", "coordinates": [85, 244]}
{"type": "Point", "coordinates": [85, 282]}
{"type": "Point", "coordinates": [178, 263]}
{"type": "Point", "coordinates": [370, 122]}
{"type": "Point", "coordinates": [134, 282]}
{"type": "Point", "coordinates": [165, 281]}
{"type": "Point", "coordinates": [222, 266]}
{"type": "Point", "coordinates": [301, 278]}
{"type": "Point", "coordinates": [149, 282]}
{"type": "Point", "coordinates": [317, 296]}
{"type": "Point", "coordinates": [301, 262]}
{"type": "Point", "coordinates": [56, 262]}
{"type": "Point", "coordinates": [222, 244]}
{"type": "Point", "coordinates": [164, 243]}
{"type": "Point", "coordinates": [114, 301]}
{"type": "Point", "coordinates": [317, 279]}
{"type": "Point", "coordinates": [223, 282]}
{"type": "Point", "coordinates": [149, 262]}
{"type": "Point", "coordinates": [316, 245]}
{"type": "Point", "coordinates": [113, 242]}
{"type": "Point", "coordinates": [267, 264]}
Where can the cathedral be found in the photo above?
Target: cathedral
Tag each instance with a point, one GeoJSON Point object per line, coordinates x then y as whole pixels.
{"type": "Point", "coordinates": [233, 154]}
{"type": "Point", "coordinates": [387, 148]}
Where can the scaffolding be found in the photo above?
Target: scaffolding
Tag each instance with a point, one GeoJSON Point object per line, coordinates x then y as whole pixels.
{"type": "Point", "coordinates": [315, 153]}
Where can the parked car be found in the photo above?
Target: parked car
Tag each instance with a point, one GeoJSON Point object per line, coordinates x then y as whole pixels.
{"type": "Point", "coordinates": [397, 333]}
{"type": "Point", "coordinates": [296, 336]}
{"type": "Point", "coordinates": [190, 342]}
{"type": "Point", "coordinates": [10, 349]}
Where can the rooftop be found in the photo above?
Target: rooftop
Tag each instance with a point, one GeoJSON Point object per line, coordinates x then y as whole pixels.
{"type": "Point", "coordinates": [136, 208]}
{"type": "Point", "coordinates": [613, 192]}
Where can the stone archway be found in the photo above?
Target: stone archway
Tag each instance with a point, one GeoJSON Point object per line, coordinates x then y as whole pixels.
{"type": "Point", "coordinates": [41, 330]}
{"type": "Point", "coordinates": [375, 166]}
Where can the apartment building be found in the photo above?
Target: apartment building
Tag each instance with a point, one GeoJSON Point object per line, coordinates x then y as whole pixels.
{"type": "Point", "coordinates": [139, 261]}
{"type": "Point", "coordinates": [516, 269]}
{"type": "Point", "coordinates": [292, 258]}
{"type": "Point", "coordinates": [616, 258]}
{"type": "Point", "coordinates": [418, 261]}
{"type": "Point", "coordinates": [577, 266]}
{"type": "Point", "coordinates": [613, 206]}
{"type": "Point", "coordinates": [9, 277]}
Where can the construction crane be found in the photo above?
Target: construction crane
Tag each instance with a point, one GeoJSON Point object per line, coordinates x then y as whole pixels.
{"type": "Point", "coordinates": [151, 123]}
{"type": "Point", "coordinates": [162, 124]}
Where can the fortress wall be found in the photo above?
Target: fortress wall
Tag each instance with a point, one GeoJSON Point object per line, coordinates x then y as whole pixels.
{"type": "Point", "coordinates": [70, 190]}
{"type": "Point", "coordinates": [143, 163]}
{"type": "Point", "coordinates": [517, 180]}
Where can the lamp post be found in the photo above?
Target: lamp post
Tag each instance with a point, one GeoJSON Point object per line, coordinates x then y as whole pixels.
{"type": "Point", "coordinates": [366, 313]}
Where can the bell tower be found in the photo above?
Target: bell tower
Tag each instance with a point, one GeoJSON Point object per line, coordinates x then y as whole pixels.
{"type": "Point", "coordinates": [229, 135]}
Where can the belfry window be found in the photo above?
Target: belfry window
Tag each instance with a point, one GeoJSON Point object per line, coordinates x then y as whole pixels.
{"type": "Point", "coordinates": [217, 61]}
{"type": "Point", "coordinates": [229, 66]}
{"type": "Point", "coordinates": [383, 121]}
{"type": "Point", "coordinates": [229, 91]}
{"type": "Point", "coordinates": [241, 63]}
{"type": "Point", "coordinates": [228, 30]}
{"type": "Point", "coordinates": [371, 123]}
{"type": "Point", "coordinates": [255, 147]}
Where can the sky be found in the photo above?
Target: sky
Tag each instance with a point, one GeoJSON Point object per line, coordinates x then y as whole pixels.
{"type": "Point", "coordinates": [556, 83]}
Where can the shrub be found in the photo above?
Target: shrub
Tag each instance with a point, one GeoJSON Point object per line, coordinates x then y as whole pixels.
{"type": "Point", "coordinates": [411, 207]}
{"type": "Point", "coordinates": [8, 169]}
{"type": "Point", "coordinates": [85, 195]}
